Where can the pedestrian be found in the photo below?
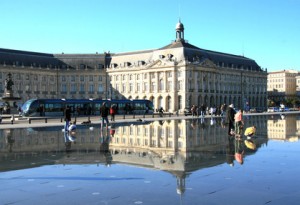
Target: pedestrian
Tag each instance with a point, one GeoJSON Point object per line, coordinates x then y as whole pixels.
{"type": "Point", "coordinates": [238, 123]}
{"type": "Point", "coordinates": [112, 112]}
{"type": "Point", "coordinates": [67, 117]}
{"type": "Point", "coordinates": [161, 112]}
{"type": "Point", "coordinates": [211, 111]}
{"type": "Point", "coordinates": [104, 114]}
{"type": "Point", "coordinates": [230, 119]}
{"type": "Point", "coordinates": [223, 109]}
{"type": "Point", "coordinates": [193, 110]}
{"type": "Point", "coordinates": [202, 110]}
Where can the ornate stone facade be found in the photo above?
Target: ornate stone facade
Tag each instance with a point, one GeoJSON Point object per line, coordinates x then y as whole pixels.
{"type": "Point", "coordinates": [180, 75]}
{"type": "Point", "coordinates": [173, 77]}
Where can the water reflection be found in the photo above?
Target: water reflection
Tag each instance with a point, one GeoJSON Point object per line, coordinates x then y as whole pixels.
{"type": "Point", "coordinates": [175, 146]}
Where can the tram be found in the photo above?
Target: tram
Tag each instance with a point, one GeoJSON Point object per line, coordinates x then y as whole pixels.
{"type": "Point", "coordinates": [56, 107]}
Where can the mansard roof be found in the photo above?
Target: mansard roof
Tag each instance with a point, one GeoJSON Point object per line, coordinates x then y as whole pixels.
{"type": "Point", "coordinates": [35, 59]}
{"type": "Point", "coordinates": [193, 53]}
{"type": "Point", "coordinates": [27, 58]}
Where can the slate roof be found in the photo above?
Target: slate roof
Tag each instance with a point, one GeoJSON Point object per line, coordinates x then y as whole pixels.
{"type": "Point", "coordinates": [27, 58]}
{"type": "Point", "coordinates": [192, 52]}
{"type": "Point", "coordinates": [45, 60]}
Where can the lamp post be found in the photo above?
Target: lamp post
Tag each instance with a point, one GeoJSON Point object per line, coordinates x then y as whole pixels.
{"type": "Point", "coordinates": [242, 89]}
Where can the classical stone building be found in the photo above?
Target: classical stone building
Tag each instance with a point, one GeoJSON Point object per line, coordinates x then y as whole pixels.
{"type": "Point", "coordinates": [180, 75]}
{"type": "Point", "coordinates": [40, 75]}
{"type": "Point", "coordinates": [175, 76]}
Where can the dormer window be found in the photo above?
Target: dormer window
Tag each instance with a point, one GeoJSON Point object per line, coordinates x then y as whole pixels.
{"type": "Point", "coordinates": [127, 64]}
{"type": "Point", "coordinates": [170, 56]}
{"type": "Point", "coordinates": [141, 63]}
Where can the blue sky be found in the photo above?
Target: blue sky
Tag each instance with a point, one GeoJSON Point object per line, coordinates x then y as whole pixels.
{"type": "Point", "coordinates": [267, 31]}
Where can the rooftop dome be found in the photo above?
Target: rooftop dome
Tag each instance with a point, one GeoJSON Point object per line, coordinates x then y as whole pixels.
{"type": "Point", "coordinates": [179, 26]}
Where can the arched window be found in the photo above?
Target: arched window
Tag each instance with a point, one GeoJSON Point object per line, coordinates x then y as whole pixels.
{"type": "Point", "coordinates": [160, 102]}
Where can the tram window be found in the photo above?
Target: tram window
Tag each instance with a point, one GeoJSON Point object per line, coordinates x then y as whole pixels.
{"type": "Point", "coordinates": [53, 107]}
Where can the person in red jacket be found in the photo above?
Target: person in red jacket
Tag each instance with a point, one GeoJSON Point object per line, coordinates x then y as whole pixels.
{"type": "Point", "coordinates": [112, 112]}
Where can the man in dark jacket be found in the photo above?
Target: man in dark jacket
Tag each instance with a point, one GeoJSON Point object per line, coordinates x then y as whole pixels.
{"type": "Point", "coordinates": [230, 118]}
{"type": "Point", "coordinates": [67, 117]}
{"type": "Point", "coordinates": [104, 114]}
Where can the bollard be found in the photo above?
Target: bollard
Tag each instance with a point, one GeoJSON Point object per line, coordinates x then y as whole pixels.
{"type": "Point", "coordinates": [124, 116]}
{"type": "Point", "coordinates": [169, 114]}
{"type": "Point", "coordinates": [144, 115]}
{"type": "Point", "coordinates": [61, 119]}
{"type": "Point", "coordinates": [46, 120]}
{"type": "Point", "coordinates": [29, 121]}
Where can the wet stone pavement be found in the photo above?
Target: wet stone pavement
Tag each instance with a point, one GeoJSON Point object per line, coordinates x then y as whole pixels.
{"type": "Point", "coordinates": [167, 161]}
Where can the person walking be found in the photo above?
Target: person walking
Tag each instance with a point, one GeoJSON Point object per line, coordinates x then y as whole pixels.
{"type": "Point", "coordinates": [223, 109]}
{"type": "Point", "coordinates": [104, 115]}
{"type": "Point", "coordinates": [230, 119]}
{"type": "Point", "coordinates": [112, 112]}
{"type": "Point", "coordinates": [238, 123]}
{"type": "Point", "coordinates": [202, 110]}
{"type": "Point", "coordinates": [67, 114]}
{"type": "Point", "coordinates": [193, 110]}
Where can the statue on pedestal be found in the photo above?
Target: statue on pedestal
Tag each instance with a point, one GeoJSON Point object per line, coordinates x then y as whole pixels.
{"type": "Point", "coordinates": [8, 82]}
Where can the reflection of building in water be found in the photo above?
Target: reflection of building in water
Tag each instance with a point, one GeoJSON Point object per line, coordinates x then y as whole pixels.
{"type": "Point", "coordinates": [179, 147]}
{"type": "Point", "coordinates": [283, 128]}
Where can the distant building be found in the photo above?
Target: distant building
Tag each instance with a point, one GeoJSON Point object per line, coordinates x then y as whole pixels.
{"type": "Point", "coordinates": [298, 86]}
{"type": "Point", "coordinates": [283, 85]}
{"type": "Point", "coordinates": [175, 76]}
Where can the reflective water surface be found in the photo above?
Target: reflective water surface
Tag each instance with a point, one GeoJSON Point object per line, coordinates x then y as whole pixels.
{"type": "Point", "coordinates": [162, 162]}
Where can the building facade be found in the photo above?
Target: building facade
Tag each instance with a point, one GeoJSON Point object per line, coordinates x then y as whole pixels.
{"type": "Point", "coordinates": [174, 77]}
{"type": "Point", "coordinates": [180, 75]}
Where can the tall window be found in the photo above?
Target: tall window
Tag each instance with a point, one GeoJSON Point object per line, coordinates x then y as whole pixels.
{"type": "Point", "coordinates": [130, 87]}
{"type": "Point", "coordinates": [138, 87]}
{"type": "Point", "coordinates": [180, 85]}
{"type": "Point", "coordinates": [179, 102]}
{"type": "Point", "coordinates": [73, 88]}
{"type": "Point", "coordinates": [153, 87]}
{"type": "Point", "coordinates": [169, 85]}
{"type": "Point", "coordinates": [91, 88]}
{"type": "Point", "coordinates": [82, 88]}
{"type": "Point", "coordinates": [123, 88]}
{"type": "Point", "coordinates": [64, 88]}
{"type": "Point", "coordinates": [146, 89]}
{"type": "Point", "coordinates": [161, 84]}
{"type": "Point", "coordinates": [100, 88]}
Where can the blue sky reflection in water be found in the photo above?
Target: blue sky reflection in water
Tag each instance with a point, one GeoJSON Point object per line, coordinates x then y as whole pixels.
{"type": "Point", "coordinates": [39, 170]}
